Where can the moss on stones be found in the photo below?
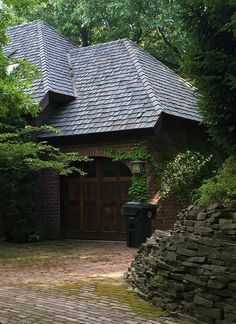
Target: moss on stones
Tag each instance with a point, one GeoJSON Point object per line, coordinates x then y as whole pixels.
{"type": "Point", "coordinates": [121, 293]}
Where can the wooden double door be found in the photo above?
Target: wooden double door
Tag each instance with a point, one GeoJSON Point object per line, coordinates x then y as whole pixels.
{"type": "Point", "coordinates": [91, 205]}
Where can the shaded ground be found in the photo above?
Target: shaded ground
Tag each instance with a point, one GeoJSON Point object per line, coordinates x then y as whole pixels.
{"type": "Point", "coordinates": [70, 282]}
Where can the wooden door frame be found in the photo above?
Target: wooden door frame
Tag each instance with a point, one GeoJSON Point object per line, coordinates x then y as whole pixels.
{"type": "Point", "coordinates": [99, 193]}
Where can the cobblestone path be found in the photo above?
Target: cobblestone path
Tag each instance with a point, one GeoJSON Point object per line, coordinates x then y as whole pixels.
{"type": "Point", "coordinates": [64, 291]}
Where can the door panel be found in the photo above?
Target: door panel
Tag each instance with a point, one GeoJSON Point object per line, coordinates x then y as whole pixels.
{"type": "Point", "coordinates": [92, 204]}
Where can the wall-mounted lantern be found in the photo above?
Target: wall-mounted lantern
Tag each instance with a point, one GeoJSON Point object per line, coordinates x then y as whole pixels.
{"type": "Point", "coordinates": [137, 166]}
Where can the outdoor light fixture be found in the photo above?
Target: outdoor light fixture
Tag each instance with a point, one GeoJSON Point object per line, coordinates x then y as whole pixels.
{"type": "Point", "coordinates": [137, 166]}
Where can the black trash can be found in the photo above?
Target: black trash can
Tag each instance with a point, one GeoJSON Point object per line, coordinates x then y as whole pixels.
{"type": "Point", "coordinates": [138, 217]}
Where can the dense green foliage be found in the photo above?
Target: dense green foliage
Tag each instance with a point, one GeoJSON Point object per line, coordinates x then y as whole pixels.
{"type": "Point", "coordinates": [151, 23]}
{"type": "Point", "coordinates": [184, 173]}
{"type": "Point", "coordinates": [21, 157]}
{"type": "Point", "coordinates": [178, 174]}
{"type": "Point", "coordinates": [210, 63]}
{"type": "Point", "coordinates": [222, 187]}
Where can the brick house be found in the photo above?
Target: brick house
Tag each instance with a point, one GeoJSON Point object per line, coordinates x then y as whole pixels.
{"type": "Point", "coordinates": [108, 95]}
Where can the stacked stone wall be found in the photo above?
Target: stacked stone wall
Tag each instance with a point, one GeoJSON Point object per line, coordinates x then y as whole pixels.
{"type": "Point", "coordinates": [192, 269]}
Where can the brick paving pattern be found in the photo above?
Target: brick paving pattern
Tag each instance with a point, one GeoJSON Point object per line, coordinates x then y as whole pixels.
{"type": "Point", "coordinates": [44, 303]}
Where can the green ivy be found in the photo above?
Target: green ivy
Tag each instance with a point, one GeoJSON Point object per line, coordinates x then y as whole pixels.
{"type": "Point", "coordinates": [138, 190]}
{"type": "Point", "coordinates": [177, 174]}
{"type": "Point", "coordinates": [139, 187]}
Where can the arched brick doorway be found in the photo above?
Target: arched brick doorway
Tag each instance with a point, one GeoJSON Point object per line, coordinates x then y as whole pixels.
{"type": "Point", "coordinates": [91, 205]}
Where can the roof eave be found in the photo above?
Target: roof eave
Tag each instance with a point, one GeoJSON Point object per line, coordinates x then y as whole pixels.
{"type": "Point", "coordinates": [100, 136]}
{"type": "Point", "coordinates": [52, 97]}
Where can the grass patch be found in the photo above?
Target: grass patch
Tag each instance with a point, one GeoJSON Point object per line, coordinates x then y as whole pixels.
{"type": "Point", "coordinates": [121, 293]}
{"type": "Point", "coordinates": [95, 257]}
{"type": "Point", "coordinates": [19, 251]}
{"type": "Point", "coordinates": [65, 287]}
{"type": "Point", "coordinates": [68, 288]}
{"type": "Point", "coordinates": [45, 253]}
{"type": "Point", "coordinates": [29, 285]}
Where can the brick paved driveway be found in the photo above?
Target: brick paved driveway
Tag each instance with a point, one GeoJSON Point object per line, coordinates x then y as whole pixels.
{"type": "Point", "coordinates": [69, 282]}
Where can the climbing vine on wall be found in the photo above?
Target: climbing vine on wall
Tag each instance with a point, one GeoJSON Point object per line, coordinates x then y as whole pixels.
{"type": "Point", "coordinates": [139, 185]}
{"type": "Point", "coordinates": [179, 172]}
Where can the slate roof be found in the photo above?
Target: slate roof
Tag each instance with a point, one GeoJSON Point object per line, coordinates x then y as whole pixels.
{"type": "Point", "coordinates": [117, 85]}
{"type": "Point", "coordinates": [41, 45]}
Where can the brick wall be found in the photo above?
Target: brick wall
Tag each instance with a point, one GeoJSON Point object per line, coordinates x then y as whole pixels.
{"type": "Point", "coordinates": [48, 221]}
{"type": "Point", "coordinates": [174, 134]}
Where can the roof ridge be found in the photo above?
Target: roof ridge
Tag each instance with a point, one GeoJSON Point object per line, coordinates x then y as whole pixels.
{"type": "Point", "coordinates": [96, 45]}
{"type": "Point", "coordinates": [72, 74]}
{"type": "Point", "coordinates": [24, 24]}
{"type": "Point", "coordinates": [166, 67]}
{"type": "Point", "coordinates": [44, 65]}
{"type": "Point", "coordinates": [142, 75]}
{"type": "Point", "coordinates": [43, 23]}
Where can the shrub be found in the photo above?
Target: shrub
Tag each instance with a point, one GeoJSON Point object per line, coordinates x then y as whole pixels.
{"type": "Point", "coordinates": [222, 187]}
{"type": "Point", "coordinates": [185, 173]}
{"type": "Point", "coordinates": [23, 232]}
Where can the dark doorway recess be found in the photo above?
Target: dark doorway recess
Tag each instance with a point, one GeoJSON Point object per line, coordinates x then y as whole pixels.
{"type": "Point", "coordinates": [91, 205]}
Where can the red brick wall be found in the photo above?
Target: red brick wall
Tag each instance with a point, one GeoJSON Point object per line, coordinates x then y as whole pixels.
{"type": "Point", "coordinates": [48, 220]}
{"type": "Point", "coordinates": [174, 134]}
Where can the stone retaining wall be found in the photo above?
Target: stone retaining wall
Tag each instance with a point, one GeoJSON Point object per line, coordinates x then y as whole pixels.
{"type": "Point", "coordinates": [192, 269]}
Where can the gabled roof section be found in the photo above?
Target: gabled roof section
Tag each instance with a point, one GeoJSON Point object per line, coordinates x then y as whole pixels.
{"type": "Point", "coordinates": [121, 87]}
{"type": "Point", "coordinates": [44, 47]}
{"type": "Point", "coordinates": [115, 86]}
{"type": "Point", "coordinates": [174, 94]}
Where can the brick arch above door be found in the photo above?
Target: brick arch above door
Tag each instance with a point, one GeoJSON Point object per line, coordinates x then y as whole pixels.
{"type": "Point", "coordinates": [99, 151]}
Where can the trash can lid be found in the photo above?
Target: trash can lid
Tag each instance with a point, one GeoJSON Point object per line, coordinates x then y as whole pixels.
{"type": "Point", "coordinates": [139, 204]}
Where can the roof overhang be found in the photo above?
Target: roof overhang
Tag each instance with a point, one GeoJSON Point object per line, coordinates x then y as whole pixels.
{"type": "Point", "coordinates": [52, 98]}
{"type": "Point", "coordinates": [100, 137]}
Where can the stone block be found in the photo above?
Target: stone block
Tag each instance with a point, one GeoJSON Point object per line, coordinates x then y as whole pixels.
{"type": "Point", "coordinates": [188, 296]}
{"type": "Point", "coordinates": [231, 301]}
{"type": "Point", "coordinates": [200, 281]}
{"type": "Point", "coordinates": [164, 273]}
{"type": "Point", "coordinates": [230, 317]}
{"type": "Point", "coordinates": [227, 307]}
{"type": "Point", "coordinates": [214, 268]}
{"type": "Point", "coordinates": [186, 252]}
{"type": "Point", "coordinates": [220, 278]}
{"type": "Point", "coordinates": [203, 230]}
{"type": "Point", "coordinates": [212, 297]}
{"type": "Point", "coordinates": [214, 313]}
{"type": "Point", "coordinates": [171, 256]}
{"type": "Point", "coordinates": [171, 307]}
{"type": "Point", "coordinates": [203, 301]}
{"type": "Point", "coordinates": [176, 276]}
{"type": "Point", "coordinates": [227, 224]}
{"type": "Point", "coordinates": [179, 269]}
{"type": "Point", "coordinates": [187, 222]}
{"type": "Point", "coordinates": [215, 284]}
{"type": "Point", "coordinates": [227, 293]}
{"type": "Point", "coordinates": [190, 265]}
{"type": "Point", "coordinates": [196, 259]}
{"type": "Point", "coordinates": [162, 265]}
{"type": "Point", "coordinates": [157, 279]}
{"type": "Point", "coordinates": [201, 216]}
{"type": "Point", "coordinates": [207, 241]}
{"type": "Point", "coordinates": [203, 318]}
{"type": "Point", "coordinates": [189, 229]}
{"type": "Point", "coordinates": [225, 321]}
